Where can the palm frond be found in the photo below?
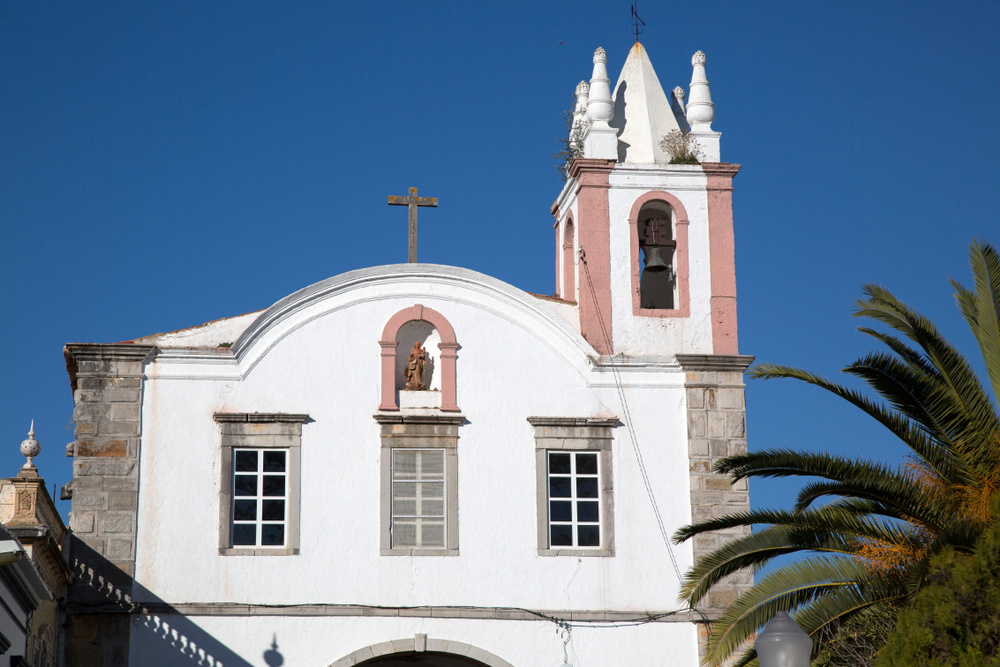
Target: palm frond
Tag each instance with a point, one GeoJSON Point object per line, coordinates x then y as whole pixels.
{"type": "Point", "coordinates": [981, 307]}
{"type": "Point", "coordinates": [871, 544]}
{"type": "Point", "coordinates": [826, 530]}
{"type": "Point", "coordinates": [958, 384]}
{"type": "Point", "coordinates": [941, 458]}
{"type": "Point", "coordinates": [789, 588]}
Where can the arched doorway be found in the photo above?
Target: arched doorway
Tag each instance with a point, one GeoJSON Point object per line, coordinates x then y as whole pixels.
{"type": "Point", "coordinates": [421, 652]}
{"type": "Point", "coordinates": [422, 659]}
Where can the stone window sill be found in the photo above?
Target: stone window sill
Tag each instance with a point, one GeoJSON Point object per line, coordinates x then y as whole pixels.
{"type": "Point", "coordinates": [606, 553]}
{"type": "Point", "coordinates": [257, 551]}
{"type": "Point", "coordinates": [414, 551]}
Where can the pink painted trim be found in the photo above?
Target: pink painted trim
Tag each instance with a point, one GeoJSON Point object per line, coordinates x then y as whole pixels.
{"type": "Point", "coordinates": [449, 354]}
{"type": "Point", "coordinates": [568, 256]}
{"type": "Point", "coordinates": [388, 375]}
{"type": "Point", "coordinates": [558, 266]}
{"type": "Point", "coordinates": [593, 230]}
{"type": "Point", "coordinates": [681, 234]}
{"type": "Point", "coordinates": [722, 255]}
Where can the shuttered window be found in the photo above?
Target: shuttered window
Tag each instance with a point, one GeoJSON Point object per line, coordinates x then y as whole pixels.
{"type": "Point", "coordinates": [418, 498]}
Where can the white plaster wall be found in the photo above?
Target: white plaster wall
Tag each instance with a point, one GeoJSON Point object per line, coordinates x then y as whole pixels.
{"type": "Point", "coordinates": [318, 642]}
{"type": "Point", "coordinates": [660, 335]}
{"type": "Point", "coordinates": [511, 365]}
{"type": "Point", "coordinates": [210, 334]}
{"type": "Point", "coordinates": [10, 625]}
{"type": "Point", "coordinates": [321, 357]}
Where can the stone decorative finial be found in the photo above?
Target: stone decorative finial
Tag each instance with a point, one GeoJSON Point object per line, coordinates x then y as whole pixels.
{"type": "Point", "coordinates": [30, 448]}
{"type": "Point", "coordinates": [582, 99]}
{"type": "Point", "coordinates": [580, 122]}
{"type": "Point", "coordinates": [601, 140]}
{"type": "Point", "coordinates": [679, 96]}
{"type": "Point", "coordinates": [700, 110]}
{"type": "Point", "coordinates": [599, 106]}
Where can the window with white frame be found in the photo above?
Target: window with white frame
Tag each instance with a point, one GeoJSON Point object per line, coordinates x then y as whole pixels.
{"type": "Point", "coordinates": [259, 508]}
{"type": "Point", "coordinates": [260, 497]}
{"type": "Point", "coordinates": [574, 499]}
{"type": "Point", "coordinates": [574, 490]}
{"type": "Point", "coordinates": [419, 504]}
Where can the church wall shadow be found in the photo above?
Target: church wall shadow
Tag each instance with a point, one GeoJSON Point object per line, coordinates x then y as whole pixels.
{"type": "Point", "coordinates": [101, 617]}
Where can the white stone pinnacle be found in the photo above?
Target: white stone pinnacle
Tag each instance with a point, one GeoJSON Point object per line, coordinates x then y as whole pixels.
{"type": "Point", "coordinates": [599, 106]}
{"type": "Point", "coordinates": [679, 95]}
{"type": "Point", "coordinates": [700, 110]}
{"type": "Point", "coordinates": [580, 122]}
{"type": "Point", "coordinates": [601, 140]}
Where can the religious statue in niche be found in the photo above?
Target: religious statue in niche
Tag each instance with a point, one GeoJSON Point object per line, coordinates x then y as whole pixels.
{"type": "Point", "coordinates": [415, 368]}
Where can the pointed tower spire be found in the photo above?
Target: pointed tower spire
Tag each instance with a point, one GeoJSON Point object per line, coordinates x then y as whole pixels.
{"type": "Point", "coordinates": [601, 140]}
{"type": "Point", "coordinates": [30, 448]}
{"type": "Point", "coordinates": [642, 112]}
{"type": "Point", "coordinates": [701, 110]}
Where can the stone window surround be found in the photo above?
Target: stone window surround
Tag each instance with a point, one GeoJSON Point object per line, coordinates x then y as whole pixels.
{"type": "Point", "coordinates": [574, 434]}
{"type": "Point", "coordinates": [419, 431]}
{"type": "Point", "coordinates": [680, 235]}
{"type": "Point", "coordinates": [260, 431]}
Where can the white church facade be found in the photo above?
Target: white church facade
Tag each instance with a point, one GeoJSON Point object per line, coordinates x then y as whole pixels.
{"type": "Point", "coordinates": [421, 464]}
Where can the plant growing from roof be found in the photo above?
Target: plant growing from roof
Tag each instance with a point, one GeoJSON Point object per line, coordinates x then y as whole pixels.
{"type": "Point", "coordinates": [682, 148]}
{"type": "Point", "coordinates": [570, 146]}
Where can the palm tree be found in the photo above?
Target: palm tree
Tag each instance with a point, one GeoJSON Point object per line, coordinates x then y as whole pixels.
{"type": "Point", "coordinates": [865, 547]}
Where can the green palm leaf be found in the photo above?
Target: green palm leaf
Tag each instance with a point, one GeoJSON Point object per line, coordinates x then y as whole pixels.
{"type": "Point", "coordinates": [869, 546]}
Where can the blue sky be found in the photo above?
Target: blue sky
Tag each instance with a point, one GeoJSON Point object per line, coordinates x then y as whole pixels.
{"type": "Point", "coordinates": [166, 164]}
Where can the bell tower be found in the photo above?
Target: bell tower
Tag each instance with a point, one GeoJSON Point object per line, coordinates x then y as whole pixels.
{"type": "Point", "coordinates": [645, 222]}
{"type": "Point", "coordinates": [645, 248]}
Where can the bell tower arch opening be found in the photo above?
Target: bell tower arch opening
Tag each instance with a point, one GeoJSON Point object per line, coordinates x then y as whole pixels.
{"type": "Point", "coordinates": [657, 244]}
{"type": "Point", "coordinates": [568, 260]}
{"type": "Point", "coordinates": [658, 230]}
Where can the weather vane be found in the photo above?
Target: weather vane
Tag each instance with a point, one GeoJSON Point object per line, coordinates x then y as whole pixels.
{"type": "Point", "coordinates": [638, 23]}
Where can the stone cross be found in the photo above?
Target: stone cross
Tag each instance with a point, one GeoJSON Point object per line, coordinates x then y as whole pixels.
{"type": "Point", "coordinates": [412, 202]}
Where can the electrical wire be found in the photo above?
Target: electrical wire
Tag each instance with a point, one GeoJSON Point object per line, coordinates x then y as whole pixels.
{"type": "Point", "coordinates": [627, 418]}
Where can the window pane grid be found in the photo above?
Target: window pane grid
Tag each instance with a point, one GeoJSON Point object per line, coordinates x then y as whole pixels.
{"type": "Point", "coordinates": [418, 498]}
{"type": "Point", "coordinates": [260, 501]}
{"type": "Point", "coordinates": [574, 499]}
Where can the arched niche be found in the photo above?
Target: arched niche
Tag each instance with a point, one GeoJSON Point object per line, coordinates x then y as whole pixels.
{"type": "Point", "coordinates": [422, 325]}
{"type": "Point", "coordinates": [421, 650]}
{"type": "Point", "coordinates": [568, 260]}
{"type": "Point", "coordinates": [427, 335]}
{"type": "Point", "coordinates": [668, 207]}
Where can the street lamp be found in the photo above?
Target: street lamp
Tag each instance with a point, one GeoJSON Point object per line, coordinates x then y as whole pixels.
{"type": "Point", "coordinates": [782, 643]}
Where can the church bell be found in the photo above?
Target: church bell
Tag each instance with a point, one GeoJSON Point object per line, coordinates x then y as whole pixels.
{"type": "Point", "coordinates": [654, 261]}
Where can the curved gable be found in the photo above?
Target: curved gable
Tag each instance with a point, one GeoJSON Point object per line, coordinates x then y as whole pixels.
{"type": "Point", "coordinates": [417, 282]}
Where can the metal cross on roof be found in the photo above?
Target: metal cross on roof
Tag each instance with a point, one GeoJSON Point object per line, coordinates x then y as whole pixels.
{"type": "Point", "coordinates": [412, 202]}
{"type": "Point", "coordinates": [638, 23]}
